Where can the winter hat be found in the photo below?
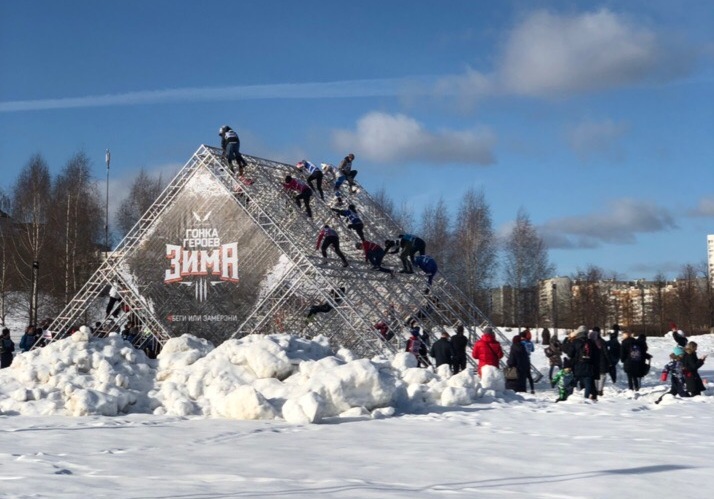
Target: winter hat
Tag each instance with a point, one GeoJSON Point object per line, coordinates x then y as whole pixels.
{"type": "Point", "coordinates": [5, 331]}
{"type": "Point", "coordinates": [415, 332]}
{"type": "Point", "coordinates": [677, 351]}
{"type": "Point", "coordinates": [581, 330]}
{"type": "Point", "coordinates": [488, 330]}
{"type": "Point", "coordinates": [517, 339]}
{"type": "Point", "coordinates": [672, 325]}
{"type": "Point", "coordinates": [615, 327]}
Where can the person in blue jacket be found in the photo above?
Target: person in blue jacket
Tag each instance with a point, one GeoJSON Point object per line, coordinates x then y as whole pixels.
{"type": "Point", "coordinates": [428, 265]}
{"type": "Point", "coordinates": [355, 222]}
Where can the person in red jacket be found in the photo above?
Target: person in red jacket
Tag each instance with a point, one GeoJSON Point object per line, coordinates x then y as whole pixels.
{"type": "Point", "coordinates": [487, 351]}
{"type": "Point", "coordinates": [374, 254]}
{"type": "Point", "coordinates": [302, 190]}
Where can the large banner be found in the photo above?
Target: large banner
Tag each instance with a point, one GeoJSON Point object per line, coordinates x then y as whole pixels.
{"type": "Point", "coordinates": [202, 265]}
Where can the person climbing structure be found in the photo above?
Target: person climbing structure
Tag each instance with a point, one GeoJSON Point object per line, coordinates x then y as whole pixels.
{"type": "Point", "coordinates": [329, 237]}
{"type": "Point", "coordinates": [428, 265]}
{"type": "Point", "coordinates": [230, 143]}
{"type": "Point", "coordinates": [355, 222]}
{"type": "Point", "coordinates": [410, 245]}
{"type": "Point", "coordinates": [304, 193]}
{"type": "Point", "coordinates": [374, 254]}
{"type": "Point", "coordinates": [313, 174]}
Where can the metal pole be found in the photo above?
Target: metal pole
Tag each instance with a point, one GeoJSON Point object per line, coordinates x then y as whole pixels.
{"type": "Point", "coordinates": [108, 158]}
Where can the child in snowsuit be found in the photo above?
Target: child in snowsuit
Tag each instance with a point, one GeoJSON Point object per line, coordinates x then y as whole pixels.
{"type": "Point", "coordinates": [564, 382]}
{"type": "Point", "coordinates": [674, 369]}
{"type": "Point", "coordinates": [555, 356]}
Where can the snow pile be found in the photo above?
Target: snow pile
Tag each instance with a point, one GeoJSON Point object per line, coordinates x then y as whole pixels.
{"type": "Point", "coordinates": [257, 377]}
{"type": "Point", "coordinates": [78, 376]}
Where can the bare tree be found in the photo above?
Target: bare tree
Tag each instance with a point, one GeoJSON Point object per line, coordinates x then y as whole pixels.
{"type": "Point", "coordinates": [6, 255]}
{"type": "Point", "coordinates": [144, 191]}
{"type": "Point", "coordinates": [434, 229]}
{"type": "Point", "coordinates": [473, 263]}
{"type": "Point", "coordinates": [659, 303]}
{"type": "Point", "coordinates": [77, 223]}
{"type": "Point", "coordinates": [686, 297]}
{"type": "Point", "coordinates": [589, 300]}
{"type": "Point", "coordinates": [526, 264]}
{"type": "Point", "coordinates": [30, 210]}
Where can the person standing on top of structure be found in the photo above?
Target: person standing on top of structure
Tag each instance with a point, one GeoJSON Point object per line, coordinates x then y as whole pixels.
{"type": "Point", "coordinates": [410, 246]}
{"type": "Point", "coordinates": [313, 173]}
{"type": "Point", "coordinates": [346, 173]}
{"type": "Point", "coordinates": [230, 143]}
{"type": "Point", "coordinates": [329, 237]}
{"type": "Point", "coordinates": [113, 306]}
{"type": "Point", "coordinates": [303, 192]}
{"type": "Point", "coordinates": [428, 265]}
{"type": "Point", "coordinates": [355, 222]}
{"type": "Point", "coordinates": [374, 254]}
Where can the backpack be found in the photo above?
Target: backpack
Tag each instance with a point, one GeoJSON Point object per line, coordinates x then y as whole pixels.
{"type": "Point", "coordinates": [635, 353]}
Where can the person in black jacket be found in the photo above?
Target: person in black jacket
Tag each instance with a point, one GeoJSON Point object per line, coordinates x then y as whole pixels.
{"type": "Point", "coordinates": [613, 348]}
{"type": "Point", "coordinates": [7, 347]}
{"type": "Point", "coordinates": [545, 337]}
{"type": "Point", "coordinates": [442, 350]}
{"type": "Point", "coordinates": [459, 342]}
{"type": "Point", "coordinates": [584, 356]}
{"type": "Point", "coordinates": [678, 335]}
{"type": "Point", "coordinates": [337, 295]}
{"type": "Point", "coordinates": [691, 365]}
{"type": "Point", "coordinates": [518, 358]}
{"type": "Point", "coordinates": [633, 360]}
{"type": "Point", "coordinates": [603, 364]}
{"type": "Point", "coordinates": [230, 143]}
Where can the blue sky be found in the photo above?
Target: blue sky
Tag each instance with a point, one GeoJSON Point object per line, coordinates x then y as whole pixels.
{"type": "Point", "coordinates": [596, 117]}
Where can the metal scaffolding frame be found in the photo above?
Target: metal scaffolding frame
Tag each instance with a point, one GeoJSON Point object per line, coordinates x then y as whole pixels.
{"type": "Point", "coordinates": [370, 296]}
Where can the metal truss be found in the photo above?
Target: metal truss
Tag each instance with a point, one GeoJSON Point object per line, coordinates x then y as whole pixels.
{"type": "Point", "coordinates": [370, 296]}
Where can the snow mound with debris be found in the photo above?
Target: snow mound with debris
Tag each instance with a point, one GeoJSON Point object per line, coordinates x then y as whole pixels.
{"type": "Point", "coordinates": [257, 377]}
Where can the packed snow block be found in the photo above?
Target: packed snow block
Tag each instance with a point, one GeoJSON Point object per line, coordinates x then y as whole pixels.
{"type": "Point", "coordinates": [455, 396]}
{"type": "Point", "coordinates": [305, 409]}
{"type": "Point", "coordinates": [356, 412]}
{"type": "Point", "coordinates": [463, 379]}
{"type": "Point", "coordinates": [267, 360]}
{"type": "Point", "coordinates": [345, 355]}
{"type": "Point", "coordinates": [245, 403]}
{"type": "Point", "coordinates": [87, 402]}
{"type": "Point", "coordinates": [355, 384]}
{"type": "Point", "coordinates": [492, 379]}
{"type": "Point", "coordinates": [183, 351]}
{"type": "Point", "coordinates": [443, 371]}
{"type": "Point", "coordinates": [403, 361]}
{"type": "Point", "coordinates": [81, 336]}
{"type": "Point", "coordinates": [417, 375]}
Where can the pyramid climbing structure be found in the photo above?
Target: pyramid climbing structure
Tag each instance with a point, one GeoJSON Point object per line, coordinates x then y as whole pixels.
{"type": "Point", "coordinates": [218, 257]}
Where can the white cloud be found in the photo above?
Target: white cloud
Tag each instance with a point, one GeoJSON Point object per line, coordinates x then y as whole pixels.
{"type": "Point", "coordinates": [399, 138]}
{"type": "Point", "coordinates": [308, 90]}
{"type": "Point", "coordinates": [619, 224]}
{"type": "Point", "coordinates": [549, 55]}
{"type": "Point", "coordinates": [590, 139]}
{"type": "Point", "coordinates": [705, 208]}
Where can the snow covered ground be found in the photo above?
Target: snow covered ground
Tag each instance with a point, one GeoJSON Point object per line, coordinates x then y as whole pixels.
{"type": "Point", "coordinates": [385, 429]}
